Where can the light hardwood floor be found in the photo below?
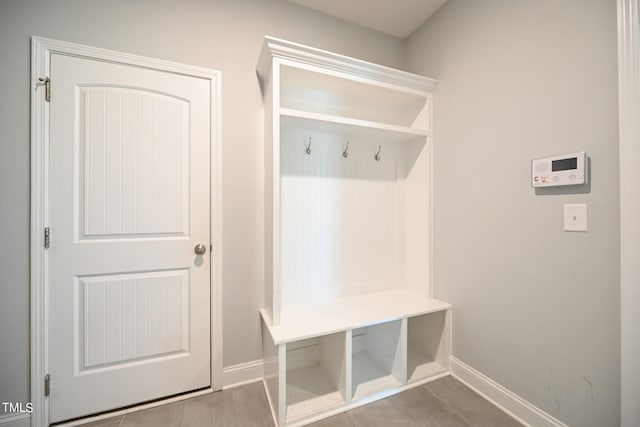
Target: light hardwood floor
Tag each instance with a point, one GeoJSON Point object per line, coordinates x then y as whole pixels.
{"type": "Point", "coordinates": [442, 403]}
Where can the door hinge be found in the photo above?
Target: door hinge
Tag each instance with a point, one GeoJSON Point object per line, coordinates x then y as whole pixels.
{"type": "Point", "coordinates": [47, 87]}
{"type": "Point", "coordinates": [47, 385]}
{"type": "Point", "coordinates": [47, 238]}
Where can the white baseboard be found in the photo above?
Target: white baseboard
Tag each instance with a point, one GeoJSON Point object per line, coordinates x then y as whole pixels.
{"type": "Point", "coordinates": [505, 399]}
{"type": "Point", "coordinates": [15, 420]}
{"type": "Point", "coordinates": [244, 373]}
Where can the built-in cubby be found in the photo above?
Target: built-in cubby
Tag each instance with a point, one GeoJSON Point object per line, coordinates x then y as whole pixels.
{"type": "Point", "coordinates": [428, 345]}
{"type": "Point", "coordinates": [316, 371]}
{"type": "Point", "coordinates": [377, 358]}
{"type": "Point", "coordinates": [349, 316]}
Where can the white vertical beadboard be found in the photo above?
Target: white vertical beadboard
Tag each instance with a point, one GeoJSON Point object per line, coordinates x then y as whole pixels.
{"type": "Point", "coordinates": [143, 314]}
{"type": "Point", "coordinates": [133, 316]}
{"type": "Point", "coordinates": [129, 148]}
{"type": "Point", "coordinates": [135, 149]}
{"type": "Point", "coordinates": [340, 219]}
{"type": "Point", "coordinates": [143, 159]}
{"type": "Point", "coordinates": [174, 313]}
{"type": "Point", "coordinates": [157, 317]}
{"type": "Point", "coordinates": [94, 330]}
{"type": "Point", "coordinates": [157, 166]}
{"type": "Point", "coordinates": [94, 171]}
{"type": "Point", "coordinates": [174, 180]}
{"type": "Point", "coordinates": [113, 163]}
{"type": "Point", "coordinates": [416, 215]}
{"type": "Point", "coordinates": [113, 321]}
{"type": "Point", "coordinates": [128, 306]}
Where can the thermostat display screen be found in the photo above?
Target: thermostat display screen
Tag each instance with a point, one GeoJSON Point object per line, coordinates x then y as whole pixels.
{"type": "Point", "coordinates": [564, 164]}
{"type": "Point", "coordinates": [565, 169]}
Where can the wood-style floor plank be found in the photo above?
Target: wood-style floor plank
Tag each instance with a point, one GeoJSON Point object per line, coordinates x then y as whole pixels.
{"type": "Point", "coordinates": [424, 409]}
{"type": "Point", "coordinates": [340, 420]}
{"type": "Point", "coordinates": [245, 406]}
{"type": "Point", "coordinates": [378, 414]}
{"type": "Point", "coordinates": [476, 411]}
{"type": "Point", "coordinates": [109, 422]}
{"type": "Point", "coordinates": [442, 403]}
{"type": "Point", "coordinates": [165, 416]}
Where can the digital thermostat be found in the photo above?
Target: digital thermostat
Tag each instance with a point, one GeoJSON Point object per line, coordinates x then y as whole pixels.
{"type": "Point", "coordinates": [567, 169]}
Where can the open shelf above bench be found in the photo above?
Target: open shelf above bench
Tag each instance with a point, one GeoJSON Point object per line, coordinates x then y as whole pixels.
{"type": "Point", "coordinates": [347, 127]}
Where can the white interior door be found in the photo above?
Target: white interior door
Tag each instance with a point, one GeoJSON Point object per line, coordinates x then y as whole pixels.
{"type": "Point", "coordinates": [129, 199]}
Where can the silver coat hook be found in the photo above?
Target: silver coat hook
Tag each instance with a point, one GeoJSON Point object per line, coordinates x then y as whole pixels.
{"type": "Point", "coordinates": [345, 153]}
{"type": "Point", "coordinates": [308, 147]}
{"type": "Point", "coordinates": [377, 156]}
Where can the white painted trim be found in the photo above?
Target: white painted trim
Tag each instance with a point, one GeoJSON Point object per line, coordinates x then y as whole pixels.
{"type": "Point", "coordinates": [243, 373]}
{"type": "Point", "coordinates": [629, 111]}
{"type": "Point", "coordinates": [39, 217]}
{"type": "Point", "coordinates": [15, 420]}
{"type": "Point", "coordinates": [216, 232]}
{"type": "Point", "coordinates": [432, 151]}
{"type": "Point", "coordinates": [273, 412]}
{"type": "Point", "coordinates": [511, 403]}
{"type": "Point", "coordinates": [41, 51]}
{"type": "Point", "coordinates": [361, 70]}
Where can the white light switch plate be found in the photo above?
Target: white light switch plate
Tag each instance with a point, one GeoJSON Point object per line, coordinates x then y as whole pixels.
{"type": "Point", "coordinates": [575, 217]}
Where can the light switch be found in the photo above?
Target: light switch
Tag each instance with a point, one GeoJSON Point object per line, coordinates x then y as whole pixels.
{"type": "Point", "coordinates": [575, 217]}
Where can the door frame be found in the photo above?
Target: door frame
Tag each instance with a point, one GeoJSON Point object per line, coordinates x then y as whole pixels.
{"type": "Point", "coordinates": [41, 51]}
{"type": "Point", "coordinates": [629, 128]}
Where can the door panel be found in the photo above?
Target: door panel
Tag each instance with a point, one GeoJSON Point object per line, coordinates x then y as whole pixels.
{"type": "Point", "coordinates": [129, 200]}
{"type": "Point", "coordinates": [135, 154]}
{"type": "Point", "coordinates": [132, 317]}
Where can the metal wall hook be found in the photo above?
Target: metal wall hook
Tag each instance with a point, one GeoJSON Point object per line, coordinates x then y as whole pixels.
{"type": "Point", "coordinates": [308, 147]}
{"type": "Point", "coordinates": [345, 153]}
{"type": "Point", "coordinates": [377, 156]}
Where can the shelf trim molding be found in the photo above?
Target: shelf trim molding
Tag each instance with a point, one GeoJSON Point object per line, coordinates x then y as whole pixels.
{"type": "Point", "coordinates": [283, 49]}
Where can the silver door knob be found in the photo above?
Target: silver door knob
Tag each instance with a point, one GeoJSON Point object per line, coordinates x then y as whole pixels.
{"type": "Point", "coordinates": [200, 249]}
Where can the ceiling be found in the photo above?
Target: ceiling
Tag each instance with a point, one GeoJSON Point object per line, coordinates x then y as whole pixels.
{"type": "Point", "coordinates": [398, 18]}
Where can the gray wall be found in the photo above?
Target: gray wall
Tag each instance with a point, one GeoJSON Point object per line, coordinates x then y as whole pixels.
{"type": "Point", "coordinates": [224, 35]}
{"type": "Point", "coordinates": [535, 308]}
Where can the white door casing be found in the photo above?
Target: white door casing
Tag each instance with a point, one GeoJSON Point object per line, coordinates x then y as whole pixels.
{"type": "Point", "coordinates": [121, 177]}
{"type": "Point", "coordinates": [629, 127]}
